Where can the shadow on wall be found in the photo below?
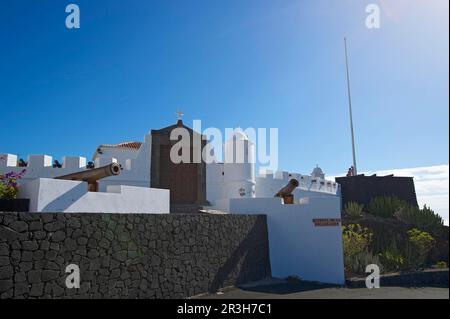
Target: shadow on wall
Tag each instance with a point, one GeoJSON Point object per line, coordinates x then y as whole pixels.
{"type": "Point", "coordinates": [246, 259]}
{"type": "Point", "coordinates": [63, 202]}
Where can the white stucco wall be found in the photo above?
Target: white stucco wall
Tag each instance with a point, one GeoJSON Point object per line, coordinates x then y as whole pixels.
{"type": "Point", "coordinates": [233, 179]}
{"type": "Point", "coordinates": [214, 182]}
{"type": "Point", "coordinates": [265, 185]}
{"type": "Point", "coordinates": [121, 154]}
{"type": "Point", "coordinates": [136, 170]}
{"type": "Point", "coordinates": [297, 246]}
{"type": "Point", "coordinates": [52, 195]}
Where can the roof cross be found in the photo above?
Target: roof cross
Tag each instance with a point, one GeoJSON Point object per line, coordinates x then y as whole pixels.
{"type": "Point", "coordinates": [179, 114]}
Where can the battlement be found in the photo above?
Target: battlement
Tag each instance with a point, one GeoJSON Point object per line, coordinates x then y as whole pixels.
{"type": "Point", "coordinates": [134, 171]}
{"type": "Point", "coordinates": [37, 162]}
{"type": "Point", "coordinates": [37, 166]}
{"type": "Point", "coordinates": [41, 161]}
{"type": "Point", "coordinates": [306, 182]}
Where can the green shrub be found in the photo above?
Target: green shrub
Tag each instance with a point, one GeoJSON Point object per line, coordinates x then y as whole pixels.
{"type": "Point", "coordinates": [392, 260]}
{"type": "Point", "coordinates": [356, 241]}
{"type": "Point", "coordinates": [353, 210]}
{"type": "Point", "coordinates": [420, 244]}
{"type": "Point", "coordinates": [425, 218]}
{"type": "Point", "coordinates": [385, 206]}
{"type": "Point", "coordinates": [8, 192]}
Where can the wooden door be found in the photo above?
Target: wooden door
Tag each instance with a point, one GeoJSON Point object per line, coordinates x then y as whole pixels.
{"type": "Point", "coordinates": [181, 178]}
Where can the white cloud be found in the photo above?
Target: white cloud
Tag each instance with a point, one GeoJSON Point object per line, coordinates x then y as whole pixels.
{"type": "Point", "coordinates": [431, 183]}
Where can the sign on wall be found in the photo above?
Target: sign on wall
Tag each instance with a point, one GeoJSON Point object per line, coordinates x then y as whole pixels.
{"type": "Point", "coordinates": [320, 222]}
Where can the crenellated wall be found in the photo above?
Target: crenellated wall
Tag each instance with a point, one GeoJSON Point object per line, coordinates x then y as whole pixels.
{"type": "Point", "coordinates": [269, 183]}
{"type": "Point", "coordinates": [41, 166]}
{"type": "Point", "coordinates": [264, 185]}
{"type": "Point", "coordinates": [135, 171]}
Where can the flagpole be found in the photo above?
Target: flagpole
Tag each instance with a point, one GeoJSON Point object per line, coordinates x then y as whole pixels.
{"type": "Point", "coordinates": [350, 108]}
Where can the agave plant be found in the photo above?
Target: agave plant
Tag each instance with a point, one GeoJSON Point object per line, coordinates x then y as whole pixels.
{"type": "Point", "coordinates": [353, 210]}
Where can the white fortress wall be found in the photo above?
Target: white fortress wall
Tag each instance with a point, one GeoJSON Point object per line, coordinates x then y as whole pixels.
{"type": "Point", "coordinates": [229, 180]}
{"type": "Point", "coordinates": [121, 154]}
{"type": "Point", "coordinates": [239, 180]}
{"type": "Point", "coordinates": [214, 182]}
{"type": "Point", "coordinates": [135, 172]}
{"type": "Point", "coordinates": [235, 177]}
{"type": "Point", "coordinates": [297, 245]}
{"type": "Point", "coordinates": [232, 180]}
{"type": "Point", "coordinates": [52, 195]}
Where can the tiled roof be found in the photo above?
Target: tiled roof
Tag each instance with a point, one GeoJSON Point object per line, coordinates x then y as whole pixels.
{"type": "Point", "coordinates": [132, 145]}
{"type": "Point", "coordinates": [125, 145]}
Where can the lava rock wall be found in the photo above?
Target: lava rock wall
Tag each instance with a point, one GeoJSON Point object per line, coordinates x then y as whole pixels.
{"type": "Point", "coordinates": [129, 255]}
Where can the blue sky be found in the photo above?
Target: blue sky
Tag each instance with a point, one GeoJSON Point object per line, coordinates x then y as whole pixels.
{"type": "Point", "coordinates": [249, 62]}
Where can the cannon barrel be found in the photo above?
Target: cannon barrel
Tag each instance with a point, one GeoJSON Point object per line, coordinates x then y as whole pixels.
{"type": "Point", "coordinates": [288, 189]}
{"type": "Point", "coordinates": [92, 176]}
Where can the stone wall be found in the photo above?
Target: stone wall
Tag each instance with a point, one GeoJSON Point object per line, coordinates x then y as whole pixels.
{"type": "Point", "coordinates": [129, 256]}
